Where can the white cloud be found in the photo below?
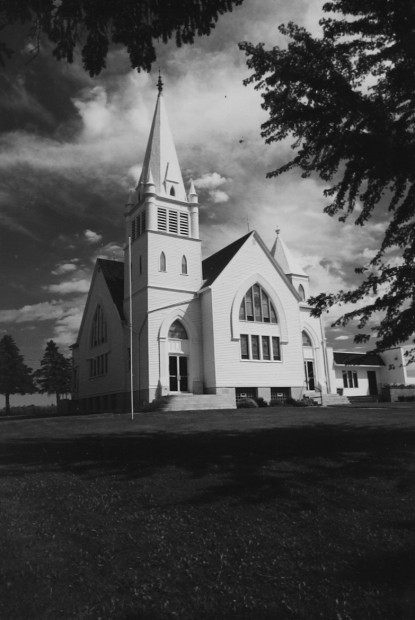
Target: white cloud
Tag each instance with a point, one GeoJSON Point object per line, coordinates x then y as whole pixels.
{"type": "Point", "coordinates": [210, 181]}
{"type": "Point", "coordinates": [44, 311]}
{"type": "Point", "coordinates": [218, 196]}
{"type": "Point", "coordinates": [64, 268]}
{"type": "Point", "coordinates": [344, 337]}
{"type": "Point", "coordinates": [69, 286]}
{"type": "Point", "coordinates": [91, 236]}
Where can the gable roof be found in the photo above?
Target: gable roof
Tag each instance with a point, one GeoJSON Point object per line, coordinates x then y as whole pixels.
{"type": "Point", "coordinates": [215, 264]}
{"type": "Point", "coordinates": [113, 272]}
{"type": "Point", "coordinates": [357, 359]}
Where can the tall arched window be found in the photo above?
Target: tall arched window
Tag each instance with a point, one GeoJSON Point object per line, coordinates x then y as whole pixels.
{"type": "Point", "coordinates": [184, 265]}
{"type": "Point", "coordinates": [177, 331]}
{"type": "Point", "coordinates": [99, 331]}
{"type": "Point", "coordinates": [301, 292]}
{"type": "Point", "coordinates": [162, 262]}
{"type": "Point", "coordinates": [172, 191]}
{"type": "Point", "coordinates": [257, 306]}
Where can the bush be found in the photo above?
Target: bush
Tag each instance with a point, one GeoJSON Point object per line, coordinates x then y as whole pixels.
{"type": "Point", "coordinates": [276, 403]}
{"type": "Point", "coordinates": [247, 403]}
{"type": "Point", "coordinates": [261, 402]}
{"type": "Point", "coordinates": [295, 403]}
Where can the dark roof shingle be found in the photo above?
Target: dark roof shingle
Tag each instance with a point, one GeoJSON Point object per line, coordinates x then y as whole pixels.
{"type": "Point", "coordinates": [357, 359]}
{"type": "Point", "coordinates": [215, 264]}
{"type": "Point", "coordinates": [113, 272]}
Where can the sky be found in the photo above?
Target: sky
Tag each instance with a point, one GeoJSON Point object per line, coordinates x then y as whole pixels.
{"type": "Point", "coordinates": [71, 147]}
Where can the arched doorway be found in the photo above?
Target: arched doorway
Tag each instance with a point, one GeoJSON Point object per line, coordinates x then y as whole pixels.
{"type": "Point", "coordinates": [178, 358]}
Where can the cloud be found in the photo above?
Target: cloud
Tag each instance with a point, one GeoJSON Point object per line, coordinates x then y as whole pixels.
{"type": "Point", "coordinates": [219, 196]}
{"type": "Point", "coordinates": [44, 311]}
{"type": "Point", "coordinates": [91, 236]}
{"type": "Point", "coordinates": [210, 181]}
{"type": "Point", "coordinates": [68, 287]}
{"type": "Point", "coordinates": [344, 337]}
{"type": "Point", "coordinates": [64, 268]}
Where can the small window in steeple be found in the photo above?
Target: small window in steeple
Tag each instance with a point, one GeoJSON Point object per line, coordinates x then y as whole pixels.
{"type": "Point", "coordinates": [162, 262]}
{"type": "Point", "coordinates": [172, 191]}
{"type": "Point", "coordinates": [184, 265]}
{"type": "Point", "coordinates": [301, 292]}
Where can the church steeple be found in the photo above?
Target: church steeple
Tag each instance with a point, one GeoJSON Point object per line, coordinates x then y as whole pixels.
{"type": "Point", "coordinates": [161, 158]}
{"type": "Point", "coordinates": [290, 266]}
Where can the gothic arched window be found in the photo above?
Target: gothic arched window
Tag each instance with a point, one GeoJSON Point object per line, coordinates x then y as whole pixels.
{"type": "Point", "coordinates": [162, 262]}
{"type": "Point", "coordinates": [99, 331]}
{"type": "Point", "coordinates": [184, 265]}
{"type": "Point", "coordinates": [301, 292]}
{"type": "Point", "coordinates": [306, 339]}
{"type": "Point", "coordinates": [172, 191]}
{"type": "Point", "coordinates": [177, 331]}
{"type": "Point", "coordinates": [257, 306]}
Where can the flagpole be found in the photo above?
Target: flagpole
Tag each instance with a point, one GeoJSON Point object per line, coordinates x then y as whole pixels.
{"type": "Point", "coordinates": [131, 328]}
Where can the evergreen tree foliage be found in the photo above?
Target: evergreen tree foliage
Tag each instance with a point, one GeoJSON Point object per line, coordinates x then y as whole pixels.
{"type": "Point", "coordinates": [93, 25]}
{"type": "Point", "coordinates": [15, 376]}
{"type": "Point", "coordinates": [347, 99]}
{"type": "Point", "coordinates": [55, 373]}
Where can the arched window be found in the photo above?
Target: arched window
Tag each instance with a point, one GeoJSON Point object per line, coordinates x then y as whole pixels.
{"type": "Point", "coordinates": [301, 292]}
{"type": "Point", "coordinates": [257, 306]}
{"type": "Point", "coordinates": [162, 262]}
{"type": "Point", "coordinates": [306, 339]}
{"type": "Point", "coordinates": [99, 331]}
{"type": "Point", "coordinates": [184, 265]}
{"type": "Point", "coordinates": [177, 331]}
{"type": "Point", "coordinates": [172, 191]}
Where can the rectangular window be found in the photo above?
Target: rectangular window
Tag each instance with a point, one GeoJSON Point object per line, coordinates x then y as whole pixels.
{"type": "Point", "coordinates": [265, 348]}
{"type": "Point", "coordinates": [244, 347]}
{"type": "Point", "coordinates": [173, 222]}
{"type": "Point", "coordinates": [276, 350]}
{"type": "Point", "coordinates": [184, 224]}
{"type": "Point", "coordinates": [350, 379]}
{"type": "Point", "coordinates": [162, 219]}
{"type": "Point", "coordinates": [255, 347]}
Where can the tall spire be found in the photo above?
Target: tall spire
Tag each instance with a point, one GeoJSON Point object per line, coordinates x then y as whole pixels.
{"type": "Point", "coordinates": [161, 157]}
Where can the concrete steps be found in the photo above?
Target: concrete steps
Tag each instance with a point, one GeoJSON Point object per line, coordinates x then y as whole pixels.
{"type": "Point", "coordinates": [331, 400]}
{"type": "Point", "coordinates": [196, 402]}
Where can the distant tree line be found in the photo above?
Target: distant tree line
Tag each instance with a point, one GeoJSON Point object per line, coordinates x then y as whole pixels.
{"type": "Point", "coordinates": [54, 376]}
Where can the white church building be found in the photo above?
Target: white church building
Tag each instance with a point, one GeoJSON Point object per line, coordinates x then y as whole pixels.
{"type": "Point", "coordinates": [206, 333]}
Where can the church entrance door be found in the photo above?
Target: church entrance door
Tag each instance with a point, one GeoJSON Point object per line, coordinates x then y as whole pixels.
{"type": "Point", "coordinates": [178, 373]}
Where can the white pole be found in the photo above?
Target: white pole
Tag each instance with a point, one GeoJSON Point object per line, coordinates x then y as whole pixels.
{"type": "Point", "coordinates": [130, 265]}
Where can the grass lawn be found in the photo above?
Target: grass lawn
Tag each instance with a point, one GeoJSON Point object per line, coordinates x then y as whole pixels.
{"type": "Point", "coordinates": [258, 514]}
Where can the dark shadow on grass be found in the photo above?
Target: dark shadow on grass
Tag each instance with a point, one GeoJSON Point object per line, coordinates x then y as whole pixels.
{"type": "Point", "coordinates": [254, 465]}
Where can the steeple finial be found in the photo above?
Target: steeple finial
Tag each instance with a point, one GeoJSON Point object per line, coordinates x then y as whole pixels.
{"type": "Point", "coordinates": [160, 84]}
